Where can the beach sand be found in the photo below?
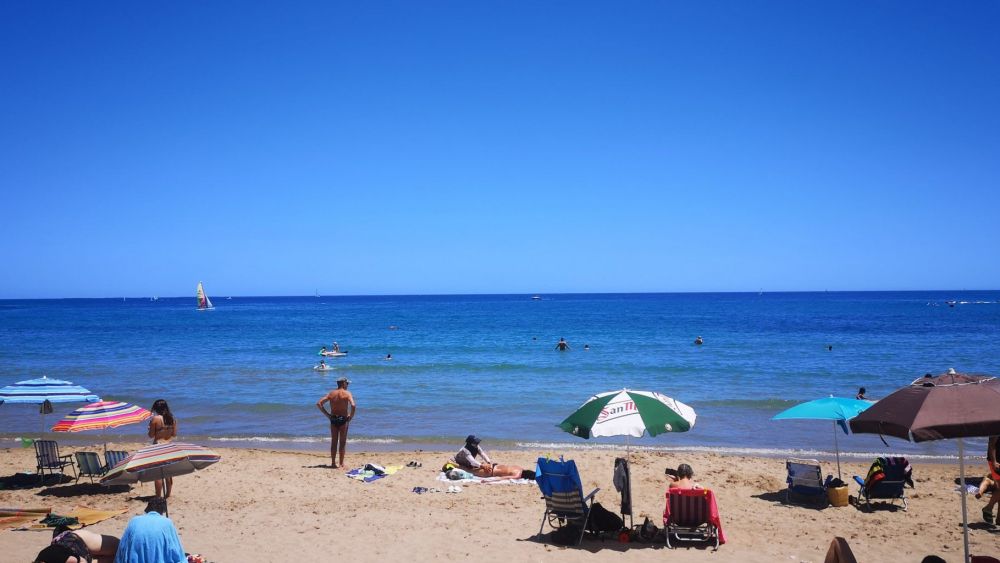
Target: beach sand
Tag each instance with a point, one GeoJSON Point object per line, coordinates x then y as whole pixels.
{"type": "Point", "coordinates": [265, 505]}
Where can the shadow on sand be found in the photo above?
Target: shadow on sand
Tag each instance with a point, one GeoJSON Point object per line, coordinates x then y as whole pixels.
{"type": "Point", "coordinates": [83, 489]}
{"type": "Point", "coordinates": [32, 481]}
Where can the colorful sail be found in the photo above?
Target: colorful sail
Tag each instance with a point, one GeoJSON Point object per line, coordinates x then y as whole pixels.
{"type": "Point", "coordinates": [203, 300]}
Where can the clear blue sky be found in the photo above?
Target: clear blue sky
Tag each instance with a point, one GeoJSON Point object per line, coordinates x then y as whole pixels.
{"type": "Point", "coordinates": [481, 147]}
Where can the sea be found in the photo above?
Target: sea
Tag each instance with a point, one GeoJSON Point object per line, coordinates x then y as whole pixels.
{"type": "Point", "coordinates": [242, 375]}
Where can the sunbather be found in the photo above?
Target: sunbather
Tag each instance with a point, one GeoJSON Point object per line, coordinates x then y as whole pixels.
{"type": "Point", "coordinates": [682, 477]}
{"type": "Point", "coordinates": [466, 459]}
{"type": "Point", "coordinates": [78, 546]}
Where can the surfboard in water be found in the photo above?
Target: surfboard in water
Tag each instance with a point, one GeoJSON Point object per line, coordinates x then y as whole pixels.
{"type": "Point", "coordinates": [204, 303]}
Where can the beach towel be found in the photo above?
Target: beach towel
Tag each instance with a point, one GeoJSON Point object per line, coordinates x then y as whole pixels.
{"type": "Point", "coordinates": [150, 537]}
{"type": "Point", "coordinates": [85, 517]}
{"type": "Point", "coordinates": [484, 480]}
{"type": "Point", "coordinates": [713, 509]}
{"type": "Point", "coordinates": [372, 472]}
{"type": "Point", "coordinates": [14, 517]}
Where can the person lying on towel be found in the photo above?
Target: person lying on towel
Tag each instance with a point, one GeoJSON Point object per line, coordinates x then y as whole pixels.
{"type": "Point", "coordinates": [466, 459]}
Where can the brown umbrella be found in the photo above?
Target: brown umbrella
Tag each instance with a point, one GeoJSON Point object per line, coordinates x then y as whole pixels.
{"type": "Point", "coordinates": [951, 405]}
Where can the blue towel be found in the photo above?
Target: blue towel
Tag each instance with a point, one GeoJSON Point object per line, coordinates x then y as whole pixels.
{"type": "Point", "coordinates": [150, 538]}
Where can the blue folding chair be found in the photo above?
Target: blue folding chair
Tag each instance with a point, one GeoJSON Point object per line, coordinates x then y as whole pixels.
{"type": "Point", "coordinates": [565, 504]}
{"type": "Point", "coordinates": [805, 482]}
{"type": "Point", "coordinates": [113, 458]}
{"type": "Point", "coordinates": [885, 481]}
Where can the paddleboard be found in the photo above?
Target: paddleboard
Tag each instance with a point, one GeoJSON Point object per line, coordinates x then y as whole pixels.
{"type": "Point", "coordinates": [329, 354]}
{"type": "Point", "coordinates": [323, 368]}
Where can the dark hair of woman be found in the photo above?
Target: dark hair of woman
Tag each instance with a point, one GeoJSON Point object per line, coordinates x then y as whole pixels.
{"type": "Point", "coordinates": [160, 407]}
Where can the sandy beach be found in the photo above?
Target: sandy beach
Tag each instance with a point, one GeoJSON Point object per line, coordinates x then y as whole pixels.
{"type": "Point", "coordinates": [266, 505]}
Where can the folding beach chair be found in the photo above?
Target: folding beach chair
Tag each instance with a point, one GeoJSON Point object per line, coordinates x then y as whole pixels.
{"type": "Point", "coordinates": [623, 484]}
{"type": "Point", "coordinates": [89, 465]}
{"type": "Point", "coordinates": [113, 458]}
{"type": "Point", "coordinates": [48, 458]}
{"type": "Point", "coordinates": [805, 481]}
{"type": "Point", "coordinates": [692, 515]}
{"type": "Point", "coordinates": [562, 490]}
{"type": "Point", "coordinates": [885, 481]}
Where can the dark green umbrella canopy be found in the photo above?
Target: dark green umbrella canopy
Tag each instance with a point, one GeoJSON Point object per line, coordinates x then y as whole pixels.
{"type": "Point", "coordinates": [629, 413]}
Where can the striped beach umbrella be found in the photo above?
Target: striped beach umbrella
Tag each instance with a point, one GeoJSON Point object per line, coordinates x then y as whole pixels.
{"type": "Point", "coordinates": [44, 391]}
{"type": "Point", "coordinates": [37, 391]}
{"type": "Point", "coordinates": [101, 416]}
{"type": "Point", "coordinates": [629, 413]}
{"type": "Point", "coordinates": [159, 461]}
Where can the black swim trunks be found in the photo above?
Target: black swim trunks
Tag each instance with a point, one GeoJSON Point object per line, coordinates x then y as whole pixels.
{"type": "Point", "coordinates": [338, 421]}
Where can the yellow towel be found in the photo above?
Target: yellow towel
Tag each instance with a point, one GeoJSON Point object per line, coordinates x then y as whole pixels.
{"type": "Point", "coordinates": [86, 516]}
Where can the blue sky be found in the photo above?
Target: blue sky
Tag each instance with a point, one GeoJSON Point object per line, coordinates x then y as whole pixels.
{"type": "Point", "coordinates": [460, 147]}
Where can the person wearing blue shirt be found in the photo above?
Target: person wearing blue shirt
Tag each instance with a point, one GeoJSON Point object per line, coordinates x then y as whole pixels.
{"type": "Point", "coordinates": [151, 538]}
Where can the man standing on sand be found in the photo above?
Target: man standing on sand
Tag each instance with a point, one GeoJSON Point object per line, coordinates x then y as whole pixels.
{"type": "Point", "coordinates": [342, 410]}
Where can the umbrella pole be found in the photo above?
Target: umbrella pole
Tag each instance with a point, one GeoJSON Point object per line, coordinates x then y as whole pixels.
{"type": "Point", "coordinates": [965, 514]}
{"type": "Point", "coordinates": [836, 446]}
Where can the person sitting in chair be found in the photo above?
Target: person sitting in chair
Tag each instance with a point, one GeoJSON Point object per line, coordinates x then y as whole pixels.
{"type": "Point", "coordinates": [466, 459]}
{"type": "Point", "coordinates": [682, 477]}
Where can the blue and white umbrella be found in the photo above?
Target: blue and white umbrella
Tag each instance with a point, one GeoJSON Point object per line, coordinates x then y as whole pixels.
{"type": "Point", "coordinates": [44, 390]}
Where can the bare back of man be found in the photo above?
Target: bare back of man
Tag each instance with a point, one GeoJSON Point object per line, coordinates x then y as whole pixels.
{"type": "Point", "coordinates": [342, 410]}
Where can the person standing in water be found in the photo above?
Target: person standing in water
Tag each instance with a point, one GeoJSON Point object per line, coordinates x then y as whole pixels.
{"type": "Point", "coordinates": [562, 345]}
{"type": "Point", "coordinates": [162, 428]}
{"type": "Point", "coordinates": [342, 410]}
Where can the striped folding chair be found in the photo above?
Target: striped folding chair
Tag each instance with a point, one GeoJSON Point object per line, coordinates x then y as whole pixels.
{"type": "Point", "coordinates": [48, 458]}
{"type": "Point", "coordinates": [565, 504]}
{"type": "Point", "coordinates": [692, 515]}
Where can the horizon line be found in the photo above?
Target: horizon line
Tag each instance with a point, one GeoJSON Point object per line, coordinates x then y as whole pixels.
{"type": "Point", "coordinates": [572, 293]}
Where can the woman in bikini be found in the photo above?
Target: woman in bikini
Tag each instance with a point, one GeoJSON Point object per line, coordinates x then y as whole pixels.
{"type": "Point", "coordinates": [162, 428]}
{"type": "Point", "coordinates": [80, 546]}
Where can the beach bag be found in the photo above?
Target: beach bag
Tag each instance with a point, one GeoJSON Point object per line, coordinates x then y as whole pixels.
{"type": "Point", "coordinates": [603, 520]}
{"type": "Point", "coordinates": [566, 535]}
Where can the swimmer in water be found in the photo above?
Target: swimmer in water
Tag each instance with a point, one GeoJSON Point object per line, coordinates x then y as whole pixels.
{"type": "Point", "coordinates": [861, 394]}
{"type": "Point", "coordinates": [322, 364]}
{"type": "Point", "coordinates": [388, 356]}
{"type": "Point", "coordinates": [586, 347]}
{"type": "Point", "coordinates": [699, 341]}
{"type": "Point", "coordinates": [562, 345]}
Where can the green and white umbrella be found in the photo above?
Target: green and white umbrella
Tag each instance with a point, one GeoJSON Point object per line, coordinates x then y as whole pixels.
{"type": "Point", "coordinates": [629, 413]}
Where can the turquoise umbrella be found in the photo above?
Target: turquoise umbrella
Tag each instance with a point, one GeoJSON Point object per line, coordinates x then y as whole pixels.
{"type": "Point", "coordinates": [837, 409]}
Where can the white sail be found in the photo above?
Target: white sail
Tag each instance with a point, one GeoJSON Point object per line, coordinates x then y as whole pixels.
{"type": "Point", "coordinates": [203, 301]}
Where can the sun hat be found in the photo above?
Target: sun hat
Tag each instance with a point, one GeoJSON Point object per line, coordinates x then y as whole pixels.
{"type": "Point", "coordinates": [471, 439]}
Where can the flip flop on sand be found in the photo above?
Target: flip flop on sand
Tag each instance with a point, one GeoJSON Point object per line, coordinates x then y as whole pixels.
{"type": "Point", "coordinates": [414, 464]}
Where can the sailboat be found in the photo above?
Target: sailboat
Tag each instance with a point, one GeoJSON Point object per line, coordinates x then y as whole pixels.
{"type": "Point", "coordinates": [204, 303]}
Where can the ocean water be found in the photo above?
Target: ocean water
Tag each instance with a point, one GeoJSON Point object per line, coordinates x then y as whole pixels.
{"type": "Point", "coordinates": [486, 364]}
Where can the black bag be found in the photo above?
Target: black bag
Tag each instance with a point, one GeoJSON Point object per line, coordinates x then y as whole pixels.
{"type": "Point", "coordinates": [566, 535]}
{"type": "Point", "coordinates": [603, 520]}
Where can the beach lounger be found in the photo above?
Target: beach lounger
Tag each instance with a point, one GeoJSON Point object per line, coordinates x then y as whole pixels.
{"type": "Point", "coordinates": [885, 481]}
{"type": "Point", "coordinates": [692, 515]}
{"type": "Point", "coordinates": [48, 458]}
{"type": "Point", "coordinates": [565, 504]}
{"type": "Point", "coordinates": [113, 458]}
{"type": "Point", "coordinates": [805, 483]}
{"type": "Point", "coordinates": [89, 465]}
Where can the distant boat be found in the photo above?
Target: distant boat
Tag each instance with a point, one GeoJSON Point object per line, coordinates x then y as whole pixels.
{"type": "Point", "coordinates": [204, 303]}
{"type": "Point", "coordinates": [154, 298]}
{"type": "Point", "coordinates": [950, 303]}
{"type": "Point", "coordinates": [536, 297]}
{"type": "Point", "coordinates": [230, 298]}
{"type": "Point", "coordinates": [317, 293]}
